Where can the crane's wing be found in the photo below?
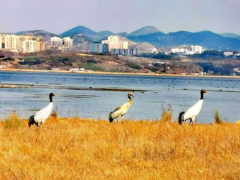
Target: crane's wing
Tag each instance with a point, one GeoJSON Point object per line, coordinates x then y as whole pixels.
{"type": "Point", "coordinates": [44, 113]}
{"type": "Point", "coordinates": [194, 110]}
{"type": "Point", "coordinates": [118, 112]}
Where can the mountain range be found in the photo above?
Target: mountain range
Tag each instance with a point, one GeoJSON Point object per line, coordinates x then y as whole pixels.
{"type": "Point", "coordinates": [152, 35]}
{"type": "Point", "coordinates": [46, 35]}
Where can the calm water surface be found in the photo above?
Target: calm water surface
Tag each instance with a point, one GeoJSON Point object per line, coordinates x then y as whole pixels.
{"type": "Point", "coordinates": [92, 96]}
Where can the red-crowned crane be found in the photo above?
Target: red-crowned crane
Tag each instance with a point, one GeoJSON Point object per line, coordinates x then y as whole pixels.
{"type": "Point", "coordinates": [193, 111]}
{"type": "Point", "coordinates": [42, 115]}
{"type": "Point", "coordinates": [121, 110]}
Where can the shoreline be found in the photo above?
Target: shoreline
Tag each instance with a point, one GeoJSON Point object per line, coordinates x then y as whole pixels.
{"type": "Point", "coordinates": [116, 73]}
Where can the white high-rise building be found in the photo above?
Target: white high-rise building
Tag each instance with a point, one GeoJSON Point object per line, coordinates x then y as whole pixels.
{"type": "Point", "coordinates": [56, 42]}
{"type": "Point", "coordinates": [228, 53]}
{"type": "Point", "coordinates": [178, 50]}
{"type": "Point", "coordinates": [10, 41]}
{"type": "Point", "coordinates": [197, 49]}
{"type": "Point", "coordinates": [114, 42]}
{"type": "Point", "coordinates": [29, 46]}
{"type": "Point", "coordinates": [67, 42]}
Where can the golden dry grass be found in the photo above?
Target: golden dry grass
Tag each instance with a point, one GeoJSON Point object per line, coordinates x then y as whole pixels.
{"type": "Point", "coordinates": [81, 149]}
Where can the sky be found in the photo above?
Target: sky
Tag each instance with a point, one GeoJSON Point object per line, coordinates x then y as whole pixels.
{"type": "Point", "coordinates": [57, 16]}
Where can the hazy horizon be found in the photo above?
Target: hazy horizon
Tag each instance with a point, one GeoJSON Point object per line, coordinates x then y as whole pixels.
{"type": "Point", "coordinates": [57, 16]}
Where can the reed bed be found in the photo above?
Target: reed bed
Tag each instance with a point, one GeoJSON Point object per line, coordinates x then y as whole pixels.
{"type": "Point", "coordinates": [75, 148]}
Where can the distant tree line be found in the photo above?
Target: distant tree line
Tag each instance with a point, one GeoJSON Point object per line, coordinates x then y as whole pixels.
{"type": "Point", "coordinates": [224, 69]}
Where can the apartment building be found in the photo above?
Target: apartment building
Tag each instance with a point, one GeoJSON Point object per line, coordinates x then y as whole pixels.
{"type": "Point", "coordinates": [97, 47]}
{"type": "Point", "coordinates": [40, 46]}
{"type": "Point", "coordinates": [0, 41]}
{"type": "Point", "coordinates": [21, 43]}
{"type": "Point", "coordinates": [114, 42]}
{"type": "Point", "coordinates": [197, 49]}
{"type": "Point", "coordinates": [10, 41]}
{"type": "Point", "coordinates": [228, 53]}
{"type": "Point", "coordinates": [56, 42]}
{"type": "Point", "coordinates": [188, 50]}
{"type": "Point", "coordinates": [61, 44]}
{"type": "Point", "coordinates": [67, 42]}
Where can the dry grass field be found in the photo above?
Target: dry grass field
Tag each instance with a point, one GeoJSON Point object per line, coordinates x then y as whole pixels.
{"type": "Point", "coordinates": [86, 149]}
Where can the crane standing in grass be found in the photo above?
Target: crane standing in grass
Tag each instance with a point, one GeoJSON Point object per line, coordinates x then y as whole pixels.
{"type": "Point", "coordinates": [193, 111]}
{"type": "Point", "coordinates": [121, 110]}
{"type": "Point", "coordinates": [42, 115]}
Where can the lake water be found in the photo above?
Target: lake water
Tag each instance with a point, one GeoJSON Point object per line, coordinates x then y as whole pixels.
{"type": "Point", "coordinates": [95, 95]}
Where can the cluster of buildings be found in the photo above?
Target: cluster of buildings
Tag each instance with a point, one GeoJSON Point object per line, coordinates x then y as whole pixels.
{"type": "Point", "coordinates": [21, 43]}
{"type": "Point", "coordinates": [113, 44]}
{"type": "Point", "coordinates": [188, 51]}
{"type": "Point", "coordinates": [116, 45]}
{"type": "Point", "coordinates": [16, 44]}
{"type": "Point", "coordinates": [61, 43]}
{"type": "Point", "coordinates": [231, 53]}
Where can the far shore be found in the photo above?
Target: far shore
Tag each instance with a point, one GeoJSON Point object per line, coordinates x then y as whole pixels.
{"type": "Point", "coordinates": [116, 73]}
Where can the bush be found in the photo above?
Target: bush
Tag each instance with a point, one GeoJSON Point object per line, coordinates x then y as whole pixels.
{"type": "Point", "coordinates": [91, 61]}
{"type": "Point", "coordinates": [133, 65]}
{"type": "Point", "coordinates": [13, 121]}
{"type": "Point", "coordinates": [166, 114]}
{"type": "Point", "coordinates": [217, 117]}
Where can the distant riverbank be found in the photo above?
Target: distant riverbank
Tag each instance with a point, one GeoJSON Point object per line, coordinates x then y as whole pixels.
{"type": "Point", "coordinates": [115, 73]}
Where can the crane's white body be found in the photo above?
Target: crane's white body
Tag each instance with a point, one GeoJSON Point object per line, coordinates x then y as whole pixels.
{"type": "Point", "coordinates": [121, 110]}
{"type": "Point", "coordinates": [43, 114]}
{"type": "Point", "coordinates": [193, 111]}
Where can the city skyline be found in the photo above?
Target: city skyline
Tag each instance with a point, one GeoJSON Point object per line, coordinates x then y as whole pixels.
{"type": "Point", "coordinates": [54, 16]}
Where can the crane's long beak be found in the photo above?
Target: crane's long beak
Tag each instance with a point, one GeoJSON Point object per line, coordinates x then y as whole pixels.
{"type": "Point", "coordinates": [55, 95]}
{"type": "Point", "coordinates": [206, 92]}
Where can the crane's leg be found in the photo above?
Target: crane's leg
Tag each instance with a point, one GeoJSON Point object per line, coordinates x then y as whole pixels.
{"type": "Point", "coordinates": [122, 119]}
{"type": "Point", "coordinates": [193, 120]}
{"type": "Point", "coordinates": [118, 118]}
{"type": "Point", "coordinates": [41, 125]}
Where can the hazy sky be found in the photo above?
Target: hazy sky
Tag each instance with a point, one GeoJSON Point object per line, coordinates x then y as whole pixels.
{"type": "Point", "coordinates": [57, 16]}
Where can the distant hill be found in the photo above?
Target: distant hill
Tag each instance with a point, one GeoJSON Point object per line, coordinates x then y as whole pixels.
{"type": "Point", "coordinates": [20, 32]}
{"type": "Point", "coordinates": [130, 43]}
{"type": "Point", "coordinates": [83, 34]}
{"type": "Point", "coordinates": [150, 34]}
{"type": "Point", "coordinates": [80, 30]}
{"type": "Point", "coordinates": [81, 42]}
{"type": "Point", "coordinates": [45, 34]}
{"type": "Point", "coordinates": [145, 30]}
{"type": "Point", "coordinates": [231, 35]}
{"type": "Point", "coordinates": [144, 47]}
{"type": "Point", "coordinates": [123, 34]}
{"type": "Point", "coordinates": [104, 34]}
{"type": "Point", "coordinates": [207, 39]}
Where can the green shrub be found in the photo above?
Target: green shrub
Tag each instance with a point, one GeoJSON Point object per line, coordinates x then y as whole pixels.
{"type": "Point", "coordinates": [133, 65]}
{"type": "Point", "coordinates": [91, 61]}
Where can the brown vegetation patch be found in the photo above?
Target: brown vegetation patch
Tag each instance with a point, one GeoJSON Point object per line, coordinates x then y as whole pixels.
{"type": "Point", "coordinates": [81, 149]}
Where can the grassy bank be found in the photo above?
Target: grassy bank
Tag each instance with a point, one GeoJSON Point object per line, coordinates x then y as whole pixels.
{"type": "Point", "coordinates": [86, 149]}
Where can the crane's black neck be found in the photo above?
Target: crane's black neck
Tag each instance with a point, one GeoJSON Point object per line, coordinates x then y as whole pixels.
{"type": "Point", "coordinates": [50, 97]}
{"type": "Point", "coordinates": [129, 97]}
{"type": "Point", "coordinates": [201, 95]}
